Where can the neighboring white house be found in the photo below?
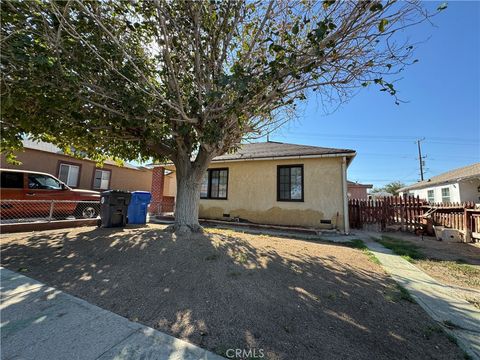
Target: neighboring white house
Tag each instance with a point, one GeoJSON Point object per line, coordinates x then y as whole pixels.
{"type": "Point", "coordinates": [458, 185]}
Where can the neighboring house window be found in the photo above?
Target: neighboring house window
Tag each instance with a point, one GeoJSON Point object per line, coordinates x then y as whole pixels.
{"type": "Point", "coordinates": [69, 174]}
{"type": "Point", "coordinates": [12, 180]}
{"type": "Point", "coordinates": [445, 195]}
{"type": "Point", "coordinates": [290, 183]}
{"type": "Point", "coordinates": [431, 196]}
{"type": "Point", "coordinates": [102, 179]}
{"type": "Point", "coordinates": [215, 184]}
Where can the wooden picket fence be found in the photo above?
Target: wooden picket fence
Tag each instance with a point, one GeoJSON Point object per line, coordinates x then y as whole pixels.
{"type": "Point", "coordinates": [410, 213]}
{"type": "Point", "coordinates": [394, 210]}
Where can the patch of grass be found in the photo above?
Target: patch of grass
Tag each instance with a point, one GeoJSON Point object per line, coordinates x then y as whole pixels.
{"type": "Point", "coordinates": [331, 295]}
{"type": "Point", "coordinates": [241, 258]}
{"type": "Point", "coordinates": [357, 244]}
{"type": "Point", "coordinates": [465, 274]}
{"type": "Point", "coordinates": [432, 329]}
{"type": "Point", "coordinates": [450, 325]}
{"type": "Point", "coordinates": [405, 249]}
{"type": "Point", "coordinates": [474, 301]}
{"type": "Point", "coordinates": [465, 269]}
{"type": "Point", "coordinates": [360, 245]}
{"type": "Point", "coordinates": [212, 257]}
{"type": "Point", "coordinates": [234, 274]}
{"type": "Point", "coordinates": [405, 295]}
{"type": "Point", "coordinates": [397, 292]}
{"type": "Point", "coordinates": [435, 329]}
{"type": "Point", "coordinates": [221, 350]}
{"type": "Point", "coordinates": [451, 338]}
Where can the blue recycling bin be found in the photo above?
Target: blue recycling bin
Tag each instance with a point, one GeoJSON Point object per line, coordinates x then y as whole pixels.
{"type": "Point", "coordinates": [137, 209]}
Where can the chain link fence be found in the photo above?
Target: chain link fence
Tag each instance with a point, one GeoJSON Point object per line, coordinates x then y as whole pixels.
{"type": "Point", "coordinates": [167, 205]}
{"type": "Point", "coordinates": [19, 211]}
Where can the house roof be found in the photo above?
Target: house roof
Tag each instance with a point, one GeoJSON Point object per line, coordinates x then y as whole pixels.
{"type": "Point", "coordinates": [351, 183]}
{"type": "Point", "coordinates": [51, 148]}
{"type": "Point", "coordinates": [466, 172]}
{"type": "Point", "coordinates": [270, 149]}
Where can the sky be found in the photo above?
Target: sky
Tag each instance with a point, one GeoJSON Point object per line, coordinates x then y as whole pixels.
{"type": "Point", "coordinates": [442, 92]}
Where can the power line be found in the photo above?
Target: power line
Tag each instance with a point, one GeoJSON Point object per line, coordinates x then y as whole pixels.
{"type": "Point", "coordinates": [387, 138]}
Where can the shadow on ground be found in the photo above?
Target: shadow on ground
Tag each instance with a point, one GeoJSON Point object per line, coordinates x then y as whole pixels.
{"type": "Point", "coordinates": [294, 299]}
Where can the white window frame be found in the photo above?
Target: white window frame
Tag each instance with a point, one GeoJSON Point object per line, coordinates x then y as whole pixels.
{"type": "Point", "coordinates": [103, 185]}
{"type": "Point", "coordinates": [445, 198]}
{"type": "Point", "coordinates": [69, 173]}
{"type": "Point", "coordinates": [431, 199]}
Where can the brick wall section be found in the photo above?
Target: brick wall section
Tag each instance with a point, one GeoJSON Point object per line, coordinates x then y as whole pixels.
{"type": "Point", "coordinates": [168, 204]}
{"type": "Point", "coordinates": [158, 178]}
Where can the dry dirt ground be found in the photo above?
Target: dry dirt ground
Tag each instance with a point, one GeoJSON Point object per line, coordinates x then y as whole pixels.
{"type": "Point", "coordinates": [294, 299]}
{"type": "Point", "coordinates": [453, 263]}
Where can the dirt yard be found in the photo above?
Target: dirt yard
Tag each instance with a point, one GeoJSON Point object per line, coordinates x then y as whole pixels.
{"type": "Point", "coordinates": [294, 299]}
{"type": "Point", "coordinates": [452, 263]}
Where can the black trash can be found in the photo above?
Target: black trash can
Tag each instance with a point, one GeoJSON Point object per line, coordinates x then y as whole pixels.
{"type": "Point", "coordinates": [114, 208]}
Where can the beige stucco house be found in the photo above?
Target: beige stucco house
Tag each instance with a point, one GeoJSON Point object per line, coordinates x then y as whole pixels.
{"type": "Point", "coordinates": [277, 183]}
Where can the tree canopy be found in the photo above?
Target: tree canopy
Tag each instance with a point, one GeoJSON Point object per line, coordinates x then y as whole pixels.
{"type": "Point", "coordinates": [187, 80]}
{"type": "Point", "coordinates": [155, 78]}
{"type": "Point", "coordinates": [391, 188]}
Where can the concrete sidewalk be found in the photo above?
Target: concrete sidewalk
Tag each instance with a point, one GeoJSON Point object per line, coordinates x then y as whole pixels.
{"type": "Point", "coordinates": [457, 316]}
{"type": "Point", "coordinates": [40, 322]}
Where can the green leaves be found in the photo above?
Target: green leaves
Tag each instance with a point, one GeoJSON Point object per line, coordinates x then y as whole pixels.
{"type": "Point", "coordinates": [327, 3]}
{"type": "Point", "coordinates": [376, 7]}
{"type": "Point", "coordinates": [295, 28]}
{"type": "Point", "coordinates": [114, 96]}
{"type": "Point", "coordinates": [382, 24]}
{"type": "Point", "coordinates": [276, 47]}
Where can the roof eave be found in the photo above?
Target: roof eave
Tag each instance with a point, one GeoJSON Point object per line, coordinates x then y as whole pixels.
{"type": "Point", "coordinates": [349, 155]}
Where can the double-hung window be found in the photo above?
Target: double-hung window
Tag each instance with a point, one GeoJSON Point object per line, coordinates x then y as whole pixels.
{"type": "Point", "coordinates": [445, 195]}
{"type": "Point", "coordinates": [215, 184]}
{"type": "Point", "coordinates": [101, 180]}
{"type": "Point", "coordinates": [431, 196]}
{"type": "Point", "coordinates": [290, 183]}
{"type": "Point", "coordinates": [69, 173]}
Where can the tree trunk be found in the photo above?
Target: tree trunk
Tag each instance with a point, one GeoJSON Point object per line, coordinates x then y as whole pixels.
{"type": "Point", "coordinates": [187, 203]}
{"type": "Point", "coordinates": [189, 180]}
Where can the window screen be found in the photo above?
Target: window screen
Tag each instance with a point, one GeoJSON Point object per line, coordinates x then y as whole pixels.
{"type": "Point", "coordinates": [215, 184]}
{"type": "Point", "coordinates": [69, 174]}
{"type": "Point", "coordinates": [102, 179]}
{"type": "Point", "coordinates": [290, 183]}
{"type": "Point", "coordinates": [445, 195]}
{"type": "Point", "coordinates": [431, 196]}
{"type": "Point", "coordinates": [204, 188]}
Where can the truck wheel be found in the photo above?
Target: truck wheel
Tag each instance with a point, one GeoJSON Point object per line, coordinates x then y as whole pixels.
{"type": "Point", "coordinates": [86, 211]}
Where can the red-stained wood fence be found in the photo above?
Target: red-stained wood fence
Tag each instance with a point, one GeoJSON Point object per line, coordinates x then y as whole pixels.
{"type": "Point", "coordinates": [464, 217]}
{"type": "Point", "coordinates": [410, 213]}
{"type": "Point", "coordinates": [393, 210]}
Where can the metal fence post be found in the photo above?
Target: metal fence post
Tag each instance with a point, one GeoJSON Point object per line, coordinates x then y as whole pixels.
{"type": "Point", "coordinates": [50, 215]}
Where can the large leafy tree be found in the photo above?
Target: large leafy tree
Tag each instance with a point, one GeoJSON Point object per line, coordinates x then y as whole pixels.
{"type": "Point", "coordinates": [391, 188]}
{"type": "Point", "coordinates": [186, 80]}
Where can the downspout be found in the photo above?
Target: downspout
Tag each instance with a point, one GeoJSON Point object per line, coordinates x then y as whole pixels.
{"type": "Point", "coordinates": [346, 224]}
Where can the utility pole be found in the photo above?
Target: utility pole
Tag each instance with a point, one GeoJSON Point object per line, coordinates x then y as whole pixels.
{"type": "Point", "coordinates": [420, 157]}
